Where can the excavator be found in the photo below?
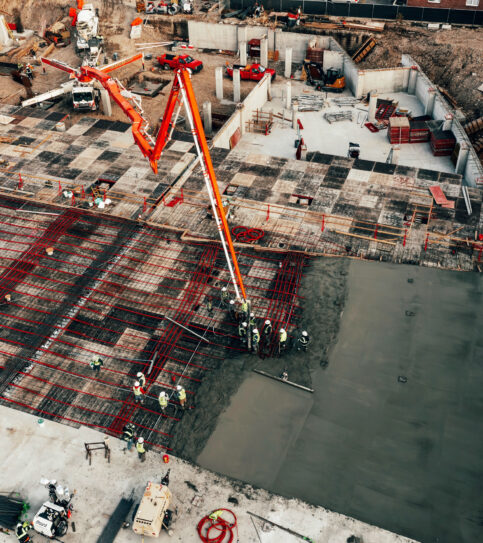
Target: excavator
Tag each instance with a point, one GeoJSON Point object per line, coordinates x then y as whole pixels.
{"type": "Point", "coordinates": [331, 80]}
{"type": "Point", "coordinates": [181, 94]}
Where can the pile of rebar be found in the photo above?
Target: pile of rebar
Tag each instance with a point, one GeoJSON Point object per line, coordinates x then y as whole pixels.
{"type": "Point", "coordinates": [11, 509]}
{"type": "Point", "coordinates": [339, 116]}
{"type": "Point", "coordinates": [309, 102]}
{"type": "Point", "coordinates": [345, 101]}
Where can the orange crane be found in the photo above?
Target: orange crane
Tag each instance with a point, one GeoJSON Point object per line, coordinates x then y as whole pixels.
{"type": "Point", "coordinates": [181, 94]}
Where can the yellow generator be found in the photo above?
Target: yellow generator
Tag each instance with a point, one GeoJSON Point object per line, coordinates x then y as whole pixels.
{"type": "Point", "coordinates": [153, 512]}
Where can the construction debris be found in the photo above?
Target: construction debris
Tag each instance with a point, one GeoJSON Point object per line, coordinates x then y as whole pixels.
{"type": "Point", "coordinates": [309, 102]}
{"type": "Point", "coordinates": [337, 117]}
{"type": "Point", "coordinates": [345, 101]}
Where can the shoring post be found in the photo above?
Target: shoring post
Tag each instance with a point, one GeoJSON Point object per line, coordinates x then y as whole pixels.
{"type": "Point", "coordinates": [268, 212]}
{"type": "Point", "coordinates": [323, 223]}
{"type": "Point", "coordinates": [104, 197]}
{"type": "Point", "coordinates": [20, 181]}
{"type": "Point", "coordinates": [145, 205]}
{"type": "Point", "coordinates": [83, 193]}
{"type": "Point", "coordinates": [375, 231]}
{"type": "Point", "coordinates": [426, 242]}
{"type": "Point", "coordinates": [405, 236]}
{"type": "Point", "coordinates": [60, 188]}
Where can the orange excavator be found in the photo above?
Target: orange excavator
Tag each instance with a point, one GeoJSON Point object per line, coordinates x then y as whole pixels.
{"type": "Point", "coordinates": [181, 94]}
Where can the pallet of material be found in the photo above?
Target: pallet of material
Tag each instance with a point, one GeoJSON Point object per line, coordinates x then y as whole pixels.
{"type": "Point", "coordinates": [442, 142]}
{"type": "Point", "coordinates": [337, 117]}
{"type": "Point", "coordinates": [398, 130]}
{"type": "Point", "coordinates": [418, 132]}
{"type": "Point", "coordinates": [315, 54]}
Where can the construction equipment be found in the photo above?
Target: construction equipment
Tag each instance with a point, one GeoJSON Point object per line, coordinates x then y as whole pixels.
{"type": "Point", "coordinates": [154, 513]}
{"type": "Point", "coordinates": [12, 508]}
{"type": "Point", "coordinates": [331, 80]}
{"type": "Point", "coordinates": [181, 94]}
{"type": "Point", "coordinates": [364, 50]}
{"type": "Point", "coordinates": [58, 34]}
{"type": "Point", "coordinates": [88, 41]}
{"type": "Point", "coordinates": [51, 519]}
{"type": "Point", "coordinates": [84, 95]}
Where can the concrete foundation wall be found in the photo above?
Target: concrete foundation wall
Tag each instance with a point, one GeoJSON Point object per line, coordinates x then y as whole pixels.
{"type": "Point", "coordinates": [473, 171]}
{"type": "Point", "coordinates": [333, 59]}
{"type": "Point", "coordinates": [213, 36]}
{"type": "Point", "coordinates": [255, 100]}
{"type": "Point", "coordinates": [384, 80]}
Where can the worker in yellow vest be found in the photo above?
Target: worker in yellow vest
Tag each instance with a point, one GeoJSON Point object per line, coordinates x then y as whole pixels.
{"type": "Point", "coordinates": [181, 395]}
{"type": "Point", "coordinates": [255, 340]}
{"type": "Point", "coordinates": [163, 400]}
{"type": "Point", "coordinates": [282, 341]}
{"type": "Point", "coordinates": [140, 449]}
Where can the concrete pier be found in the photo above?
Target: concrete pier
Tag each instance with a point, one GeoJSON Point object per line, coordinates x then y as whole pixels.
{"type": "Point", "coordinates": [219, 82]}
{"type": "Point", "coordinates": [236, 86]}
{"type": "Point", "coordinates": [207, 122]}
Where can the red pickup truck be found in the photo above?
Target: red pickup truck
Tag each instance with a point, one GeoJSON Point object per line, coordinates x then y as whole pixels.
{"type": "Point", "coordinates": [255, 72]}
{"type": "Point", "coordinates": [172, 62]}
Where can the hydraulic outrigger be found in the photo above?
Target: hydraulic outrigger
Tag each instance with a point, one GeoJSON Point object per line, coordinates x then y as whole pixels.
{"type": "Point", "coordinates": [181, 94]}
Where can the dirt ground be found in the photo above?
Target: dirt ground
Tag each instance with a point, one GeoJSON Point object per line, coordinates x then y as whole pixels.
{"type": "Point", "coordinates": [327, 277]}
{"type": "Point", "coordinates": [450, 58]}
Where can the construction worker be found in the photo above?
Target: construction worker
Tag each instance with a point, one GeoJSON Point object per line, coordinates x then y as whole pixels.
{"type": "Point", "coordinates": [284, 375]}
{"type": "Point", "coordinates": [141, 378]}
{"type": "Point", "coordinates": [242, 331]}
{"type": "Point", "coordinates": [128, 435]}
{"type": "Point", "coordinates": [252, 323]}
{"type": "Point", "coordinates": [22, 531]}
{"type": "Point", "coordinates": [138, 392]}
{"type": "Point", "coordinates": [19, 67]}
{"type": "Point", "coordinates": [181, 395]}
{"type": "Point", "coordinates": [163, 400]}
{"type": "Point", "coordinates": [225, 297]}
{"type": "Point", "coordinates": [303, 341]}
{"type": "Point", "coordinates": [97, 363]}
{"type": "Point", "coordinates": [282, 339]}
{"type": "Point", "coordinates": [8, 298]}
{"type": "Point", "coordinates": [267, 329]}
{"type": "Point", "coordinates": [232, 309]}
{"type": "Point", "coordinates": [255, 340]}
{"type": "Point", "coordinates": [244, 309]}
{"type": "Point", "coordinates": [29, 71]}
{"type": "Point", "coordinates": [209, 308]}
{"type": "Point", "coordinates": [140, 449]}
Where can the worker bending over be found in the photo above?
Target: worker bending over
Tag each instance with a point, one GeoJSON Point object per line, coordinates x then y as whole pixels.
{"type": "Point", "coordinates": [141, 378]}
{"type": "Point", "coordinates": [97, 363]}
{"type": "Point", "coordinates": [140, 449]}
{"type": "Point", "coordinates": [303, 341]}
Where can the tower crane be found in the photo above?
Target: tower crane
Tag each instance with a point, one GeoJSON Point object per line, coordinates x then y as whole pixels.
{"type": "Point", "coordinates": [181, 94]}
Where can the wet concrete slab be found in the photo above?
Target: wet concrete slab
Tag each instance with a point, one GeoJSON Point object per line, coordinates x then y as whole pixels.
{"type": "Point", "coordinates": [406, 456]}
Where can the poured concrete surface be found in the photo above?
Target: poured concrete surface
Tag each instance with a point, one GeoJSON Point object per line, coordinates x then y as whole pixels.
{"type": "Point", "coordinates": [56, 451]}
{"type": "Point", "coordinates": [405, 456]}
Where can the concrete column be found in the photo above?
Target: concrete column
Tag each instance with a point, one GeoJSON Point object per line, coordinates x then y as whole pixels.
{"type": "Point", "coordinates": [428, 110]}
{"type": "Point", "coordinates": [264, 52]}
{"type": "Point", "coordinates": [4, 36]}
{"type": "Point", "coordinates": [242, 34]}
{"type": "Point", "coordinates": [462, 158]}
{"type": "Point", "coordinates": [448, 121]}
{"type": "Point", "coordinates": [288, 62]}
{"type": "Point", "coordinates": [207, 118]}
{"type": "Point", "coordinates": [371, 116]}
{"type": "Point", "coordinates": [236, 86]}
{"type": "Point", "coordinates": [413, 78]}
{"type": "Point", "coordinates": [288, 94]}
{"type": "Point", "coordinates": [295, 112]}
{"type": "Point", "coordinates": [277, 39]}
{"type": "Point", "coordinates": [106, 102]}
{"type": "Point", "coordinates": [243, 53]}
{"type": "Point", "coordinates": [395, 154]}
{"type": "Point", "coordinates": [219, 82]}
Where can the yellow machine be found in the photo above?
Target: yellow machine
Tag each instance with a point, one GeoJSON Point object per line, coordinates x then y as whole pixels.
{"type": "Point", "coordinates": [153, 511]}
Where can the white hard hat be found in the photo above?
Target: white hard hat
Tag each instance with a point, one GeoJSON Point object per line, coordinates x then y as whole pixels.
{"type": "Point", "coordinates": [178, 387]}
{"type": "Point", "coordinates": [267, 322]}
{"type": "Point", "coordinates": [244, 324]}
{"type": "Point", "coordinates": [232, 301]}
{"type": "Point", "coordinates": [252, 314]}
{"type": "Point", "coordinates": [163, 394]}
{"type": "Point", "coordinates": [282, 330]}
{"type": "Point", "coordinates": [255, 330]}
{"type": "Point", "coordinates": [304, 333]}
{"type": "Point", "coordinates": [139, 374]}
{"type": "Point", "coordinates": [141, 440]}
{"type": "Point", "coordinates": [223, 289]}
{"type": "Point", "coordinates": [136, 384]}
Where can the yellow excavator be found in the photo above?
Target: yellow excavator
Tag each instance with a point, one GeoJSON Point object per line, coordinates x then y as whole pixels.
{"type": "Point", "coordinates": [332, 80]}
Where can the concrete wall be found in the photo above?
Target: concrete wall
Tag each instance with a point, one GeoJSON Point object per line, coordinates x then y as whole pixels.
{"type": "Point", "coordinates": [333, 59]}
{"type": "Point", "coordinates": [213, 36]}
{"type": "Point", "coordinates": [444, 4]}
{"type": "Point", "coordinates": [473, 170]}
{"type": "Point", "coordinates": [255, 100]}
{"type": "Point", "coordinates": [383, 80]}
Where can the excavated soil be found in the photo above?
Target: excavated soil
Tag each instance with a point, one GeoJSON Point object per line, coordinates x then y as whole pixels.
{"type": "Point", "coordinates": [450, 58]}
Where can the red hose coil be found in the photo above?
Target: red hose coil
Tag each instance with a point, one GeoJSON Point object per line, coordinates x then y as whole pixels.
{"type": "Point", "coordinates": [221, 527]}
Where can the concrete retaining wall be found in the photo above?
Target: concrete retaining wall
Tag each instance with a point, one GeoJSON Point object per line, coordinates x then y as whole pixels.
{"type": "Point", "coordinates": [255, 100]}
{"type": "Point", "coordinates": [383, 80]}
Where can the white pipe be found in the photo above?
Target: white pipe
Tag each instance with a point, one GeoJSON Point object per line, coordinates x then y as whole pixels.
{"type": "Point", "coordinates": [219, 224]}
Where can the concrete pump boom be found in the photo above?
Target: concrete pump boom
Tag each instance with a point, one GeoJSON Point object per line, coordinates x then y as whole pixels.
{"type": "Point", "coordinates": [152, 149]}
